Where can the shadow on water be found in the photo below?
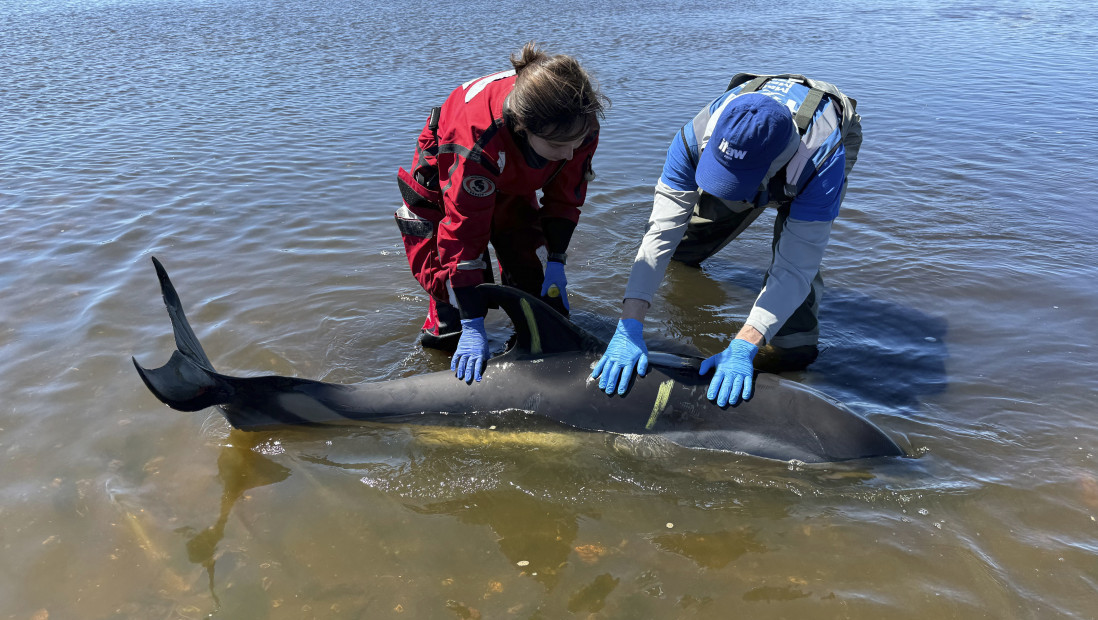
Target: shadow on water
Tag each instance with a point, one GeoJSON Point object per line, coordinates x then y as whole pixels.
{"type": "Point", "coordinates": [881, 351]}
{"type": "Point", "coordinates": [870, 349]}
{"type": "Point", "coordinates": [542, 532]}
{"type": "Point", "coordinates": [533, 533]}
{"type": "Point", "coordinates": [714, 549]}
{"type": "Point", "coordinates": [240, 468]}
{"type": "Point", "coordinates": [538, 493]}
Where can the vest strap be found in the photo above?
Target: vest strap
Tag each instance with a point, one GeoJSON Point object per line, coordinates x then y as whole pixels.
{"type": "Point", "coordinates": [432, 122]}
{"type": "Point", "coordinates": [686, 145]}
{"type": "Point", "coordinates": [808, 109]}
{"type": "Point", "coordinates": [754, 84]}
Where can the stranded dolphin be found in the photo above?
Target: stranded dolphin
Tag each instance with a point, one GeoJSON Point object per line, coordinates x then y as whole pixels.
{"type": "Point", "coordinates": [545, 374]}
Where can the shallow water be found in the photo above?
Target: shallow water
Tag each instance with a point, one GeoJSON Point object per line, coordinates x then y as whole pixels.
{"type": "Point", "coordinates": [252, 147]}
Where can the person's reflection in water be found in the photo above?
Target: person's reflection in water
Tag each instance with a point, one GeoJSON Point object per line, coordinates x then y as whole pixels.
{"type": "Point", "coordinates": [239, 468]}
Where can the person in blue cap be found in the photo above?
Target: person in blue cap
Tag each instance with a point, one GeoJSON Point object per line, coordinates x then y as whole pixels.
{"type": "Point", "coordinates": [786, 142]}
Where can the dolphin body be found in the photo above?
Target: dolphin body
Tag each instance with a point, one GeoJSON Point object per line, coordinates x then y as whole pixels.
{"type": "Point", "coordinates": [544, 374]}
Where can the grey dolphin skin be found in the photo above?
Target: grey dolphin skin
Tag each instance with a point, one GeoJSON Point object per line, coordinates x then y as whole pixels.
{"type": "Point", "coordinates": [544, 374]}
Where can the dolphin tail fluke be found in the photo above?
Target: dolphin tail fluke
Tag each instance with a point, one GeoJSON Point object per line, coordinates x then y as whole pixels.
{"type": "Point", "coordinates": [188, 381]}
{"type": "Point", "coordinates": [185, 340]}
{"type": "Point", "coordinates": [184, 385]}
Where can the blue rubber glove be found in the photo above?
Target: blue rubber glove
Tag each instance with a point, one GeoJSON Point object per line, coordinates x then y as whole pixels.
{"type": "Point", "coordinates": [735, 374]}
{"type": "Point", "coordinates": [472, 350]}
{"type": "Point", "coordinates": [626, 350]}
{"type": "Point", "coordinates": [555, 282]}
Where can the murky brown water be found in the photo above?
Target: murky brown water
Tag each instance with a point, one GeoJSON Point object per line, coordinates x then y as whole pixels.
{"type": "Point", "coordinates": [252, 146]}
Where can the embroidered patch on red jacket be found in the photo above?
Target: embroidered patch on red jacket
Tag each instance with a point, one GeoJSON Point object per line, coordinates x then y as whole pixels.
{"type": "Point", "coordinates": [478, 186]}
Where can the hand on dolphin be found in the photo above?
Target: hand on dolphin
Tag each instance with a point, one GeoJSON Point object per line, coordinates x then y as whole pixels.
{"type": "Point", "coordinates": [625, 351]}
{"type": "Point", "coordinates": [472, 350]}
{"type": "Point", "coordinates": [554, 279]}
{"type": "Point", "coordinates": [735, 373]}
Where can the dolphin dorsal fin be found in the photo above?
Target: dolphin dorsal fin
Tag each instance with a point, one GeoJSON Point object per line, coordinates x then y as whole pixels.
{"type": "Point", "coordinates": [540, 330]}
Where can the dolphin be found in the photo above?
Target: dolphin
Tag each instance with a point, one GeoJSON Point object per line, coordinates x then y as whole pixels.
{"type": "Point", "coordinates": [544, 374]}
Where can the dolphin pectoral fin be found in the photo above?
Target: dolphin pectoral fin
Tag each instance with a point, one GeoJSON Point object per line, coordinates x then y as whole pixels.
{"type": "Point", "coordinates": [539, 329]}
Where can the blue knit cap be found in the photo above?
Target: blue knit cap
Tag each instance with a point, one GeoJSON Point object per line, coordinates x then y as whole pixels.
{"type": "Point", "coordinates": [751, 132]}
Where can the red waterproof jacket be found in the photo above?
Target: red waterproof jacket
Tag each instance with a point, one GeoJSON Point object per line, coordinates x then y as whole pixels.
{"type": "Point", "coordinates": [476, 156]}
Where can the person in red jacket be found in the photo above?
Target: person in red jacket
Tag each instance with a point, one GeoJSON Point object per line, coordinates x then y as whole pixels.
{"type": "Point", "coordinates": [478, 164]}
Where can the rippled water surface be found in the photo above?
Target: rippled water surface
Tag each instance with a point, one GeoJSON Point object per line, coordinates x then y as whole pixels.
{"type": "Point", "coordinates": [252, 147]}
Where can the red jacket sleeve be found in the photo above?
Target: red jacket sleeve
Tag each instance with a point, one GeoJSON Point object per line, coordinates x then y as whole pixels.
{"type": "Point", "coordinates": [468, 197]}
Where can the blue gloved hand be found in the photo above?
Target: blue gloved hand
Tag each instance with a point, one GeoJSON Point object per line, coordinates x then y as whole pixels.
{"type": "Point", "coordinates": [735, 374]}
{"type": "Point", "coordinates": [555, 282]}
{"type": "Point", "coordinates": [626, 350]}
{"type": "Point", "coordinates": [472, 350]}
